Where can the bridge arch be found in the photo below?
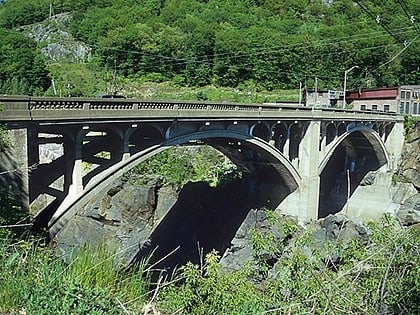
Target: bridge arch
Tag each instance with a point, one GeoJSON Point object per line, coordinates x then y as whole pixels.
{"type": "Point", "coordinates": [144, 136]}
{"type": "Point", "coordinates": [280, 135]}
{"type": "Point", "coordinates": [231, 143]}
{"type": "Point", "coordinates": [354, 154]}
{"type": "Point", "coordinates": [261, 130]}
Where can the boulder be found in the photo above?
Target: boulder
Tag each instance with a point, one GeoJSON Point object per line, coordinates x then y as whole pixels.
{"type": "Point", "coordinates": [369, 179]}
{"type": "Point", "coordinates": [339, 227]}
{"type": "Point", "coordinates": [409, 212]}
{"type": "Point", "coordinates": [124, 214]}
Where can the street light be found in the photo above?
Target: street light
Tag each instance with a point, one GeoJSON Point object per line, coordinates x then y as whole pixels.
{"type": "Point", "coordinates": [345, 82]}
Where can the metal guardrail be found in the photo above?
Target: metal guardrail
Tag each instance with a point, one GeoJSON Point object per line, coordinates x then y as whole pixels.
{"type": "Point", "coordinates": [18, 108]}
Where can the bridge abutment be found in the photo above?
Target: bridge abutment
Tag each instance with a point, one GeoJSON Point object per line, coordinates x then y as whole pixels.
{"type": "Point", "coordinates": [394, 145]}
{"type": "Point", "coordinates": [14, 168]}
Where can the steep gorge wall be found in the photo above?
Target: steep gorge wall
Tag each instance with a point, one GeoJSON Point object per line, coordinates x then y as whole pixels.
{"type": "Point", "coordinates": [408, 186]}
{"type": "Point", "coordinates": [410, 162]}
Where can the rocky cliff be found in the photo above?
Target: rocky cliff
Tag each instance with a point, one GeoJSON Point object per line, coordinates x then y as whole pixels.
{"type": "Point", "coordinates": [57, 41]}
{"type": "Point", "coordinates": [409, 175]}
{"type": "Point", "coordinates": [410, 165]}
{"type": "Point", "coordinates": [123, 216]}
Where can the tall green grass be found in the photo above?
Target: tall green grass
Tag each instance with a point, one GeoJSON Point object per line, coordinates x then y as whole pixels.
{"type": "Point", "coordinates": [33, 280]}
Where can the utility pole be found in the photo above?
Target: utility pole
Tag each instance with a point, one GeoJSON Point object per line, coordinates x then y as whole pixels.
{"type": "Point", "coordinates": [300, 93]}
{"type": "Point", "coordinates": [345, 81]}
{"type": "Point", "coordinates": [316, 90]}
{"type": "Point", "coordinates": [51, 10]}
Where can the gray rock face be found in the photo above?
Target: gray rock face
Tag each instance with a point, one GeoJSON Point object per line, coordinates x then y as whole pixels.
{"type": "Point", "coordinates": [77, 52]}
{"type": "Point", "coordinates": [60, 45]}
{"type": "Point", "coordinates": [409, 212]}
{"type": "Point", "coordinates": [240, 252]}
{"type": "Point", "coordinates": [402, 191]}
{"type": "Point", "coordinates": [410, 166]}
{"type": "Point", "coordinates": [124, 216]}
{"type": "Point", "coordinates": [339, 227]}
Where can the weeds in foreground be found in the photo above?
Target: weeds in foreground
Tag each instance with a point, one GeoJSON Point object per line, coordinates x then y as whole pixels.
{"type": "Point", "coordinates": [380, 276]}
{"type": "Point", "coordinates": [35, 281]}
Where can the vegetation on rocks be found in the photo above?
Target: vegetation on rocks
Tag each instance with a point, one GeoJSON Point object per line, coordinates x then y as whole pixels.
{"type": "Point", "coordinates": [376, 276]}
{"type": "Point", "coordinates": [177, 167]}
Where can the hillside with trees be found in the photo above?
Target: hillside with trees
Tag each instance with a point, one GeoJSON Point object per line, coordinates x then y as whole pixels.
{"type": "Point", "coordinates": [242, 44]}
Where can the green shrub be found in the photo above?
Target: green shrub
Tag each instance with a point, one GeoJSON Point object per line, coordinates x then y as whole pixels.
{"type": "Point", "coordinates": [381, 277]}
{"type": "Point", "coordinates": [208, 290]}
{"type": "Point", "coordinates": [410, 123]}
{"type": "Point", "coordinates": [190, 164]}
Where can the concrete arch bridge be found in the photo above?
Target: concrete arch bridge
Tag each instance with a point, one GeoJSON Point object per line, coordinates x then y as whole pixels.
{"type": "Point", "coordinates": [307, 162]}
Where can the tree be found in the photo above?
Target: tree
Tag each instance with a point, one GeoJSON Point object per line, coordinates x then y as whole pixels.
{"type": "Point", "coordinates": [22, 69]}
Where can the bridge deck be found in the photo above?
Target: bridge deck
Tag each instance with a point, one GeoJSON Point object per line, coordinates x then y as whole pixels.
{"type": "Point", "coordinates": [55, 110]}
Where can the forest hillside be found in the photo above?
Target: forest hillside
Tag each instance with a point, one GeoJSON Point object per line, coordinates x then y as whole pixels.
{"type": "Point", "coordinates": [245, 45]}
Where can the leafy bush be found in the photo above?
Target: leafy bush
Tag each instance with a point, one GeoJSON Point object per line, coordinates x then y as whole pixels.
{"type": "Point", "coordinates": [181, 165]}
{"type": "Point", "coordinates": [208, 290]}
{"type": "Point", "coordinates": [338, 277]}
{"type": "Point", "coordinates": [410, 123]}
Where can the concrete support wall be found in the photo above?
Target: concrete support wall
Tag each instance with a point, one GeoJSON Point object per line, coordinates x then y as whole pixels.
{"type": "Point", "coordinates": [370, 202]}
{"type": "Point", "coordinates": [394, 144]}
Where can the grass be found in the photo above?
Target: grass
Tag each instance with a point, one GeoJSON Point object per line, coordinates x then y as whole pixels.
{"type": "Point", "coordinates": [35, 281]}
{"type": "Point", "coordinates": [381, 276]}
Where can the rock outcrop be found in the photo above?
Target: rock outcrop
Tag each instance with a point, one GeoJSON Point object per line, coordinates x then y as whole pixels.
{"type": "Point", "coordinates": [283, 234]}
{"type": "Point", "coordinates": [124, 216]}
{"type": "Point", "coordinates": [409, 212]}
{"type": "Point", "coordinates": [406, 193]}
{"type": "Point", "coordinates": [59, 43]}
{"type": "Point", "coordinates": [410, 165]}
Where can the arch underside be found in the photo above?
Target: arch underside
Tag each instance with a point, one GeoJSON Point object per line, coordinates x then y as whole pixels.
{"type": "Point", "coordinates": [353, 156]}
{"type": "Point", "coordinates": [271, 174]}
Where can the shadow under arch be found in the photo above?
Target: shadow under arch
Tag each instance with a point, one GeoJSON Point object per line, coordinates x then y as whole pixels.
{"type": "Point", "coordinates": [269, 178]}
{"type": "Point", "coordinates": [354, 154]}
{"type": "Point", "coordinates": [205, 218]}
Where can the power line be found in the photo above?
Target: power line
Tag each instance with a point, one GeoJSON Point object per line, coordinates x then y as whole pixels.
{"type": "Point", "coordinates": [399, 53]}
{"type": "Point", "coordinates": [410, 17]}
{"type": "Point", "coordinates": [379, 21]}
{"type": "Point", "coordinates": [204, 59]}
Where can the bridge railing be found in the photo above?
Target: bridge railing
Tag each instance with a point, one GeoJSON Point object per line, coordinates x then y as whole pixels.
{"type": "Point", "coordinates": [51, 108]}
